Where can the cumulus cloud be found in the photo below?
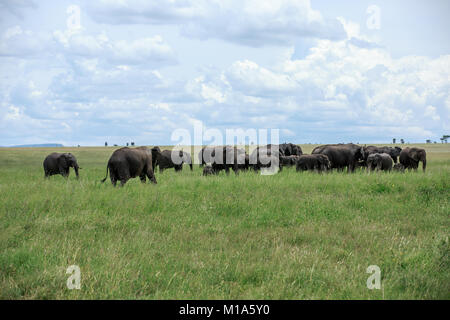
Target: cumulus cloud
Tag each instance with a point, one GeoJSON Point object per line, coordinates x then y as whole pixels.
{"type": "Point", "coordinates": [19, 43]}
{"type": "Point", "coordinates": [15, 7]}
{"type": "Point", "coordinates": [353, 89]}
{"type": "Point", "coordinates": [97, 85]}
{"type": "Point", "coordinates": [150, 50]}
{"type": "Point", "coordinates": [247, 22]}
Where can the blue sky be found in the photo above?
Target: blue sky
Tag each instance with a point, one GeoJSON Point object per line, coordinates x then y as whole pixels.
{"type": "Point", "coordinates": [134, 70]}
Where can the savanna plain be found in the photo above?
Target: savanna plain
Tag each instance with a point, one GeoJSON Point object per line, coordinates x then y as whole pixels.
{"type": "Point", "coordinates": [286, 236]}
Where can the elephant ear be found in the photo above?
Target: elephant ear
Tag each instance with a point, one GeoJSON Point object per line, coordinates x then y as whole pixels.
{"type": "Point", "coordinates": [414, 155]}
{"type": "Point", "coordinates": [63, 161]}
{"type": "Point", "coordinates": [155, 152]}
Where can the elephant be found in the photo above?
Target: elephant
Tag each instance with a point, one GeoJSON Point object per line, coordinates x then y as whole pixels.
{"type": "Point", "coordinates": [399, 167]}
{"type": "Point", "coordinates": [290, 149]}
{"type": "Point", "coordinates": [342, 155]}
{"type": "Point", "coordinates": [318, 149]}
{"type": "Point", "coordinates": [264, 152]}
{"type": "Point", "coordinates": [410, 158]}
{"type": "Point", "coordinates": [267, 161]}
{"type": "Point", "coordinates": [60, 163]}
{"type": "Point", "coordinates": [126, 163]}
{"type": "Point", "coordinates": [208, 170]}
{"type": "Point", "coordinates": [393, 152]}
{"type": "Point", "coordinates": [172, 159]}
{"type": "Point", "coordinates": [228, 157]}
{"type": "Point", "coordinates": [205, 155]}
{"type": "Point", "coordinates": [285, 149]}
{"type": "Point", "coordinates": [288, 161]}
{"type": "Point", "coordinates": [379, 161]}
{"type": "Point", "coordinates": [317, 162]}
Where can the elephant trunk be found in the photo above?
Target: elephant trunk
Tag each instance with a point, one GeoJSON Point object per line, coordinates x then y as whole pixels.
{"type": "Point", "coordinates": [75, 167]}
{"type": "Point", "coordinates": [190, 165]}
{"type": "Point", "coordinates": [424, 164]}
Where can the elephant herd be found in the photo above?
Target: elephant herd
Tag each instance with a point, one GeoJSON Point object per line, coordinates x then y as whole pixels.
{"type": "Point", "coordinates": [126, 163]}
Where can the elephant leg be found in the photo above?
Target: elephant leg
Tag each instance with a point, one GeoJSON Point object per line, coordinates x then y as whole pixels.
{"type": "Point", "coordinates": [351, 167]}
{"type": "Point", "coordinates": [113, 179]}
{"type": "Point", "coordinates": [143, 178]}
{"type": "Point", "coordinates": [66, 173]}
{"type": "Point", "coordinates": [123, 181]}
{"type": "Point", "coordinates": [124, 175]}
{"type": "Point", "coordinates": [113, 176]}
{"type": "Point", "coordinates": [161, 169]}
{"type": "Point", "coordinates": [62, 171]}
{"type": "Point", "coordinates": [151, 176]}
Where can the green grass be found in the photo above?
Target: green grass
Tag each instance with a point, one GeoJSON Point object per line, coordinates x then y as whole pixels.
{"type": "Point", "coordinates": [288, 236]}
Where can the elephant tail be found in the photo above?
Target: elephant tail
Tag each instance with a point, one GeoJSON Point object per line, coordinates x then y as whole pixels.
{"type": "Point", "coordinates": [107, 168]}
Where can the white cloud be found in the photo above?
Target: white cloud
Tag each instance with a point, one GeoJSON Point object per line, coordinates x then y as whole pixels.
{"type": "Point", "coordinates": [16, 42]}
{"type": "Point", "coordinates": [150, 50]}
{"type": "Point", "coordinates": [430, 111]}
{"type": "Point", "coordinates": [248, 22]}
{"type": "Point", "coordinates": [84, 87]}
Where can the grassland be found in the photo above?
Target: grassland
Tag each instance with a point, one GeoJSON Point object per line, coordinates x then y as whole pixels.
{"type": "Point", "coordinates": [288, 236]}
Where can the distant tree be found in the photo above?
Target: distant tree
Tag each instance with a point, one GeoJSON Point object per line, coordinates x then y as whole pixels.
{"type": "Point", "coordinates": [445, 138]}
{"type": "Point", "coordinates": [115, 145]}
{"type": "Point", "coordinates": [127, 144]}
{"type": "Point", "coordinates": [402, 141]}
{"type": "Point", "coordinates": [428, 141]}
{"type": "Point", "coordinates": [106, 144]}
{"type": "Point", "coordinates": [393, 140]}
{"type": "Point", "coordinates": [132, 143]}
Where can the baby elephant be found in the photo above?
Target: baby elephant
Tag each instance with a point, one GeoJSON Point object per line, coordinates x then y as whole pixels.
{"type": "Point", "coordinates": [317, 162]}
{"type": "Point", "coordinates": [59, 163]}
{"type": "Point", "coordinates": [379, 161]}
{"type": "Point", "coordinates": [399, 167]}
{"type": "Point", "coordinates": [288, 161]}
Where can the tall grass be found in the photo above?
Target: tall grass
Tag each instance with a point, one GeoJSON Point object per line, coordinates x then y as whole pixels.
{"type": "Point", "coordinates": [288, 236]}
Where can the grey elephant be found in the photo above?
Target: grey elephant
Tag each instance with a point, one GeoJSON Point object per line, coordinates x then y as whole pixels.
{"type": "Point", "coordinates": [60, 163]}
{"type": "Point", "coordinates": [126, 163]}
{"type": "Point", "coordinates": [342, 155]}
{"type": "Point", "coordinates": [393, 152]}
{"type": "Point", "coordinates": [288, 161]}
{"type": "Point", "coordinates": [316, 162]}
{"type": "Point", "coordinates": [172, 159]}
{"type": "Point", "coordinates": [379, 161]}
{"type": "Point", "coordinates": [229, 157]}
{"type": "Point", "coordinates": [410, 158]}
{"type": "Point", "coordinates": [267, 161]}
{"type": "Point", "coordinates": [290, 149]}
